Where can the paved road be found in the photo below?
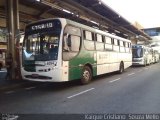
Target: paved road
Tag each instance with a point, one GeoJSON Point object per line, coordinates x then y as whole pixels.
{"type": "Point", "coordinates": [137, 90]}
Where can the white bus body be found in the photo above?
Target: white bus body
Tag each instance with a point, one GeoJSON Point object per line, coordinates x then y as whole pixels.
{"type": "Point", "coordinates": [81, 52]}
{"type": "Point", "coordinates": [155, 56]}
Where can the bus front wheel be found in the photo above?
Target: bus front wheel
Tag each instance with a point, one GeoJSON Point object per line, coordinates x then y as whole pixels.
{"type": "Point", "coordinates": [86, 75]}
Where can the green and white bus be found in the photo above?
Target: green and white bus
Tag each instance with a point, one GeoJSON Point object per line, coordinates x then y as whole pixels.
{"type": "Point", "coordinates": [56, 50]}
{"type": "Point", "coordinates": [142, 55]}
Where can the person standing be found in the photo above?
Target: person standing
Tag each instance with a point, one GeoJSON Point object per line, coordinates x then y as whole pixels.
{"type": "Point", "coordinates": [9, 60]}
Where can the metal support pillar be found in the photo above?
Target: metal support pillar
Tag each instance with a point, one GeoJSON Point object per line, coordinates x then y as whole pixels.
{"type": "Point", "coordinates": [12, 26]}
{"type": "Point", "coordinates": [17, 39]}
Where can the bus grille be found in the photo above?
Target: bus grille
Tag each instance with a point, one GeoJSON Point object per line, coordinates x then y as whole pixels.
{"type": "Point", "coordinates": [38, 77]}
{"type": "Point", "coordinates": [138, 60]}
{"type": "Point", "coordinates": [30, 69]}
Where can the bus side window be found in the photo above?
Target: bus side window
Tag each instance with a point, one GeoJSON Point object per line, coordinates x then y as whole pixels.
{"type": "Point", "coordinates": [71, 47]}
{"type": "Point", "coordinates": [75, 43]}
{"type": "Point", "coordinates": [69, 41]}
{"type": "Point", "coordinates": [66, 42]}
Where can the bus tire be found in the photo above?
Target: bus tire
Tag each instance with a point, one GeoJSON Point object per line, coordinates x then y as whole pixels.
{"type": "Point", "coordinates": [121, 68]}
{"type": "Point", "coordinates": [145, 63]}
{"type": "Point", "coordinates": [86, 75]}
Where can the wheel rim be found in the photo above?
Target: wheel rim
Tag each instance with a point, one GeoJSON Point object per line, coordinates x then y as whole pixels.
{"type": "Point", "coordinates": [121, 68]}
{"type": "Point", "coordinates": [86, 75]}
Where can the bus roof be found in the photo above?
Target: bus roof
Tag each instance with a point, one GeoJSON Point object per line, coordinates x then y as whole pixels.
{"type": "Point", "coordinates": [82, 26]}
{"type": "Point", "coordinates": [95, 30]}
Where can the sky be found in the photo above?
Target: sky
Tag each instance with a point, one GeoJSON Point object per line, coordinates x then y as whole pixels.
{"type": "Point", "coordinates": [145, 12]}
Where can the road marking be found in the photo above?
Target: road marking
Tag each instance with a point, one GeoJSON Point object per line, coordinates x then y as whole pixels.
{"type": "Point", "coordinates": [140, 71]}
{"type": "Point", "coordinates": [9, 92]}
{"type": "Point", "coordinates": [131, 74]}
{"type": "Point", "coordinates": [114, 80]}
{"type": "Point", "coordinates": [29, 88]}
{"type": "Point", "coordinates": [80, 93]}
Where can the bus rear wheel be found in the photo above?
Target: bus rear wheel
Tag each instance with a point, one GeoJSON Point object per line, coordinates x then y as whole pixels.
{"type": "Point", "coordinates": [145, 63]}
{"type": "Point", "coordinates": [121, 68]}
{"type": "Point", "coordinates": [86, 75]}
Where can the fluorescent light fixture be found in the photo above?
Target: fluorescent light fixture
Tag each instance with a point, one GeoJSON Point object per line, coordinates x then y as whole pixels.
{"type": "Point", "coordinates": [95, 27]}
{"type": "Point", "coordinates": [117, 31]}
{"type": "Point", "coordinates": [94, 22]}
{"type": "Point", "coordinates": [125, 34]}
{"type": "Point", "coordinates": [67, 11]}
{"type": "Point", "coordinates": [38, 0]}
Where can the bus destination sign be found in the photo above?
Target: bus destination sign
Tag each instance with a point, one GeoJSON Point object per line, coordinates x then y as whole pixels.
{"type": "Point", "coordinates": [42, 26]}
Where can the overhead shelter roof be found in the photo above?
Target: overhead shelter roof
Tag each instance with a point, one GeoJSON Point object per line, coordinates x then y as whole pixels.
{"type": "Point", "coordinates": [96, 10]}
{"type": "Point", "coordinates": [101, 8]}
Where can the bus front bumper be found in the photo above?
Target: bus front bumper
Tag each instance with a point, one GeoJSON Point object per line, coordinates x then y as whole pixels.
{"type": "Point", "coordinates": [138, 63]}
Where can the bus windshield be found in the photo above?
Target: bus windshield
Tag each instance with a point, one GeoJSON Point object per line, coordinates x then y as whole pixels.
{"type": "Point", "coordinates": [41, 41]}
{"type": "Point", "coordinates": [137, 53]}
{"type": "Point", "coordinates": [41, 46]}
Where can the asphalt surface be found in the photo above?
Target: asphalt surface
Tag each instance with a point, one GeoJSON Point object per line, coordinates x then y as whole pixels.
{"type": "Point", "coordinates": [135, 91]}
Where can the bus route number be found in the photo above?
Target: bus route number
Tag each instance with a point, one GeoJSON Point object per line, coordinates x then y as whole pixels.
{"type": "Point", "coordinates": [50, 63]}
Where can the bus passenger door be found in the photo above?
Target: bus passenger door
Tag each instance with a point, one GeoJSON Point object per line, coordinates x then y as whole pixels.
{"type": "Point", "coordinates": [71, 48]}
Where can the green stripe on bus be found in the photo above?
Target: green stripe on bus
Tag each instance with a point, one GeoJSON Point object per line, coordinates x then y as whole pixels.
{"type": "Point", "coordinates": [78, 62]}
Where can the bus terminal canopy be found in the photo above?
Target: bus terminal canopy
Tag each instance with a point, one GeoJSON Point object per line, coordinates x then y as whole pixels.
{"type": "Point", "coordinates": [78, 10]}
{"type": "Point", "coordinates": [117, 20]}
